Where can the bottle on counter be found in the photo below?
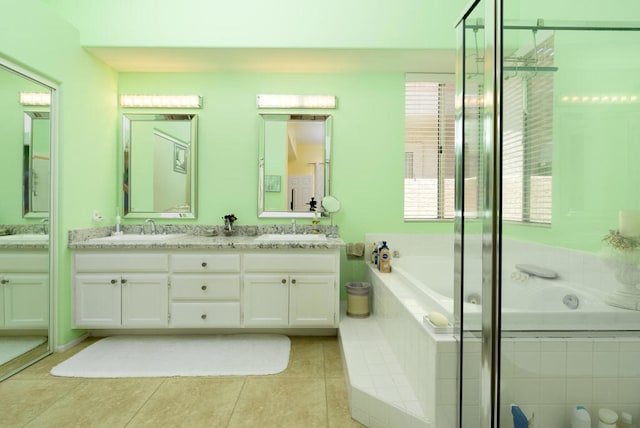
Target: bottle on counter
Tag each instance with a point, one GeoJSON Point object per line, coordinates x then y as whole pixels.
{"type": "Point", "coordinates": [384, 258]}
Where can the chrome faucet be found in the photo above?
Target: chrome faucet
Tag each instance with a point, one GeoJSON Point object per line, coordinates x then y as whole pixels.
{"type": "Point", "coordinates": [153, 225]}
{"type": "Point", "coordinates": [44, 222]}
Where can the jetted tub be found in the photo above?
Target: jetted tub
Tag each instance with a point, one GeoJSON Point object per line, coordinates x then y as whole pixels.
{"type": "Point", "coordinates": [529, 302]}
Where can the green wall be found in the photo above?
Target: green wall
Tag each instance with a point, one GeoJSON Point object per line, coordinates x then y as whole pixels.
{"type": "Point", "coordinates": [50, 47]}
{"type": "Point", "coordinates": [595, 144]}
{"type": "Point", "coordinates": [368, 146]}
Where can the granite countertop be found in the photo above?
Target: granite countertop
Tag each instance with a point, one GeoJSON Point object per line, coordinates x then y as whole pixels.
{"type": "Point", "coordinates": [24, 237]}
{"type": "Point", "coordinates": [203, 237]}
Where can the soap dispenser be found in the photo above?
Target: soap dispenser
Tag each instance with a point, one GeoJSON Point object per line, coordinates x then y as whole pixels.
{"type": "Point", "coordinates": [581, 418]}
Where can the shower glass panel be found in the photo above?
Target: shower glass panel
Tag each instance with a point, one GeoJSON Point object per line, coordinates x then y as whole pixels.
{"type": "Point", "coordinates": [570, 155]}
{"type": "Point", "coordinates": [547, 292]}
{"type": "Point", "coordinates": [469, 210]}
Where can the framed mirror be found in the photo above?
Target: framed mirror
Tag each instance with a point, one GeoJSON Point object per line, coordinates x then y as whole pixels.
{"type": "Point", "coordinates": [35, 164]}
{"type": "Point", "coordinates": [27, 144]}
{"type": "Point", "coordinates": [159, 153]}
{"type": "Point", "coordinates": [294, 164]}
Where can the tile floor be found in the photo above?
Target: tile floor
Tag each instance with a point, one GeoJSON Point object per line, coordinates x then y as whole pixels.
{"type": "Point", "coordinates": [311, 392]}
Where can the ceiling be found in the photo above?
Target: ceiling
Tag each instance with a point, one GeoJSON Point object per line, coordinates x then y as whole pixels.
{"type": "Point", "coordinates": [267, 60]}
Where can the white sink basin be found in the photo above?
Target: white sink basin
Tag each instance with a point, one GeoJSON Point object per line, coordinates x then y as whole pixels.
{"type": "Point", "coordinates": [140, 238]}
{"type": "Point", "coordinates": [25, 237]}
{"type": "Point", "coordinates": [272, 237]}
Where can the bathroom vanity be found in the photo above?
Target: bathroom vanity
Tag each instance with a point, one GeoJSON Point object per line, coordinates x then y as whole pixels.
{"type": "Point", "coordinates": [24, 286]}
{"type": "Point", "coordinates": [188, 281]}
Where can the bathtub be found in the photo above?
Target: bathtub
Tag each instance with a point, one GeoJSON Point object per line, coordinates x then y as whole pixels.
{"type": "Point", "coordinates": [528, 302]}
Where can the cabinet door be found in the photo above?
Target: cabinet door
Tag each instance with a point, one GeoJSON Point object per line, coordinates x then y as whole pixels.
{"type": "Point", "coordinates": [97, 301]}
{"type": "Point", "coordinates": [266, 300]}
{"type": "Point", "coordinates": [312, 301]}
{"type": "Point", "coordinates": [145, 300]}
{"type": "Point", "coordinates": [26, 301]}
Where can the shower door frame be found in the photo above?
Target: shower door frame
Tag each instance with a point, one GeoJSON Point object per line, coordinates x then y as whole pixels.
{"type": "Point", "coordinates": [489, 405]}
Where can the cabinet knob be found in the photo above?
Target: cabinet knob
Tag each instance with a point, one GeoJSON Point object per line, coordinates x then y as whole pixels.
{"type": "Point", "coordinates": [203, 316]}
{"type": "Point", "coordinates": [284, 281]}
{"type": "Point", "coordinates": [123, 281]}
{"type": "Point", "coordinates": [114, 281]}
{"type": "Point", "coordinates": [204, 287]}
{"type": "Point", "coordinates": [4, 281]}
{"type": "Point", "coordinates": [293, 281]}
{"type": "Point", "coordinates": [204, 264]}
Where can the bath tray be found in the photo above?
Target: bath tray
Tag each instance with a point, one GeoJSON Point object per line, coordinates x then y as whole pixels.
{"type": "Point", "coordinates": [448, 329]}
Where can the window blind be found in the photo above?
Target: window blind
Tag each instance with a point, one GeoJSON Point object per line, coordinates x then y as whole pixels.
{"type": "Point", "coordinates": [527, 112]}
{"type": "Point", "coordinates": [429, 150]}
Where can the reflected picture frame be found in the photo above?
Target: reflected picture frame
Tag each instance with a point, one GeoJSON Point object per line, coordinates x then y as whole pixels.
{"type": "Point", "coordinates": [272, 183]}
{"type": "Point", "coordinates": [179, 159]}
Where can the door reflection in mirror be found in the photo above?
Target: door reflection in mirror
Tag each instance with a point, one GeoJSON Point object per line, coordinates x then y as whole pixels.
{"type": "Point", "coordinates": [294, 160]}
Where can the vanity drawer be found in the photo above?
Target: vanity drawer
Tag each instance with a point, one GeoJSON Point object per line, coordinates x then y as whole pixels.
{"type": "Point", "coordinates": [22, 261]}
{"type": "Point", "coordinates": [189, 314]}
{"type": "Point", "coordinates": [205, 287]}
{"type": "Point", "coordinates": [307, 262]}
{"type": "Point", "coordinates": [203, 262]}
{"type": "Point", "coordinates": [121, 262]}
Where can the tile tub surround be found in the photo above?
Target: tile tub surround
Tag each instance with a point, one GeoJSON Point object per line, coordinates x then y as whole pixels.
{"type": "Point", "coordinates": [206, 237]}
{"type": "Point", "coordinates": [547, 376]}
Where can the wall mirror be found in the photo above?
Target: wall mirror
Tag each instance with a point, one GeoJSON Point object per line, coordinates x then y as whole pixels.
{"type": "Point", "coordinates": [27, 142]}
{"type": "Point", "coordinates": [294, 164]}
{"type": "Point", "coordinates": [35, 164]}
{"type": "Point", "coordinates": [159, 165]}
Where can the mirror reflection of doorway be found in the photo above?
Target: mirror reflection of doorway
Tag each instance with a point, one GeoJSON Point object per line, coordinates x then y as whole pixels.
{"type": "Point", "coordinates": [300, 191]}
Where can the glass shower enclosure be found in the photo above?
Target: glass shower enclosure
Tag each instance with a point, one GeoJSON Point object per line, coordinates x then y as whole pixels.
{"type": "Point", "coordinates": [547, 245]}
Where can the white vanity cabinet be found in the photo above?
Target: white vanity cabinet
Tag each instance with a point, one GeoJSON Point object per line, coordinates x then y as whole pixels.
{"type": "Point", "coordinates": [123, 289]}
{"type": "Point", "coordinates": [24, 290]}
{"type": "Point", "coordinates": [291, 289]}
{"type": "Point", "coordinates": [205, 290]}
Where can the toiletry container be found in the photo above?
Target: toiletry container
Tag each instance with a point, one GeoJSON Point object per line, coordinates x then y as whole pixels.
{"type": "Point", "coordinates": [581, 418]}
{"type": "Point", "coordinates": [607, 418]}
{"type": "Point", "coordinates": [625, 421]}
{"type": "Point", "coordinates": [384, 258]}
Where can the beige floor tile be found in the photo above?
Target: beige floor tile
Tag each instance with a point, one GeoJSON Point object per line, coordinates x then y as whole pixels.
{"type": "Point", "coordinates": [306, 359]}
{"type": "Point", "coordinates": [332, 360]}
{"type": "Point", "coordinates": [99, 403]}
{"type": "Point", "coordinates": [21, 401]}
{"type": "Point", "coordinates": [338, 413]}
{"type": "Point", "coordinates": [281, 402]}
{"type": "Point", "coordinates": [191, 402]}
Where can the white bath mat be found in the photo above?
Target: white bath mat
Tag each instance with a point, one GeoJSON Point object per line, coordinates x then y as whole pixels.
{"type": "Point", "coordinates": [12, 347]}
{"type": "Point", "coordinates": [160, 356]}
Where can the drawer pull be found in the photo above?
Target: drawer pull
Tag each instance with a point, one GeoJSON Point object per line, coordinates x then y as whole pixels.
{"type": "Point", "coordinates": [204, 264]}
{"type": "Point", "coordinates": [293, 281]}
{"type": "Point", "coordinates": [123, 281]}
{"type": "Point", "coordinates": [204, 287]}
{"type": "Point", "coordinates": [203, 316]}
{"type": "Point", "coordinates": [114, 281]}
{"type": "Point", "coordinates": [4, 281]}
{"type": "Point", "coordinates": [284, 281]}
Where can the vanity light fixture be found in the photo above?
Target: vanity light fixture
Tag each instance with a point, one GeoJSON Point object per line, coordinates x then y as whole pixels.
{"type": "Point", "coordinates": [295, 101]}
{"type": "Point", "coordinates": [161, 101]}
{"type": "Point", "coordinates": [35, 98]}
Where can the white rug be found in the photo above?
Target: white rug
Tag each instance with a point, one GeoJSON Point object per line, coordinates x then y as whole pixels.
{"type": "Point", "coordinates": [160, 356]}
{"type": "Point", "coordinates": [12, 347]}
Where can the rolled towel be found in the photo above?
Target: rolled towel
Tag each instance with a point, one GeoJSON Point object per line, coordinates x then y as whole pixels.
{"type": "Point", "coordinates": [355, 249]}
